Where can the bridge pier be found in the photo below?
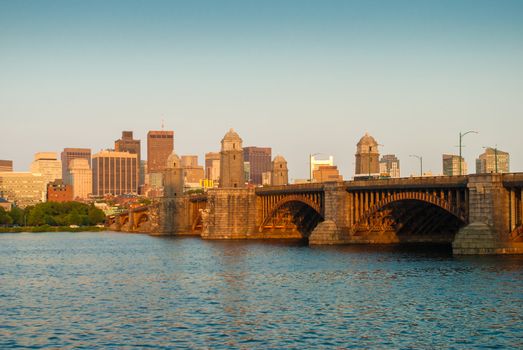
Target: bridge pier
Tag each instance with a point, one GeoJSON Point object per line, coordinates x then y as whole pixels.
{"type": "Point", "coordinates": [334, 228]}
{"type": "Point", "coordinates": [491, 218]}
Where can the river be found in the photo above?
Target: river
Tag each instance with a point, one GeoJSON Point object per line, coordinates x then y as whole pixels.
{"type": "Point", "coordinates": [114, 290]}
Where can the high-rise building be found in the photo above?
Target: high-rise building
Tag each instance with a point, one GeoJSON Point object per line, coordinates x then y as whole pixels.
{"type": "Point", "coordinates": [81, 177]}
{"type": "Point", "coordinates": [160, 145]}
{"type": "Point", "coordinates": [6, 165]}
{"type": "Point", "coordinates": [22, 188]}
{"type": "Point", "coordinates": [280, 172]}
{"type": "Point", "coordinates": [232, 171]}
{"type": "Point", "coordinates": [390, 166]}
{"type": "Point", "coordinates": [67, 155]}
{"type": "Point", "coordinates": [47, 164]}
{"type": "Point", "coordinates": [259, 159]}
{"type": "Point", "coordinates": [115, 173]}
{"type": "Point", "coordinates": [128, 144]}
{"type": "Point", "coordinates": [212, 166]}
{"type": "Point", "coordinates": [367, 157]}
{"type": "Point", "coordinates": [451, 165]}
{"type": "Point", "coordinates": [315, 164]}
{"type": "Point", "coordinates": [493, 160]}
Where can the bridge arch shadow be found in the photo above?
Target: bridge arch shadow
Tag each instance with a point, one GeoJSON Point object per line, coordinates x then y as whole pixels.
{"type": "Point", "coordinates": [293, 213]}
{"type": "Point", "coordinates": [412, 217]}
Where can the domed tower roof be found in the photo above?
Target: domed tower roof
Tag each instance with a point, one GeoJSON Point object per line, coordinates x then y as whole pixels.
{"type": "Point", "coordinates": [232, 141]}
{"type": "Point", "coordinates": [173, 161]}
{"type": "Point", "coordinates": [279, 159]}
{"type": "Point", "coordinates": [367, 140]}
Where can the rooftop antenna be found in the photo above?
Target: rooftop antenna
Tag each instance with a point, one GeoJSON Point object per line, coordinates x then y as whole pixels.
{"type": "Point", "coordinates": [162, 123]}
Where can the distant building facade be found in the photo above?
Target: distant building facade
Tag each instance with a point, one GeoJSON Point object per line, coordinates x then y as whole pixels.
{"type": "Point", "coordinates": [390, 166]}
{"type": "Point", "coordinates": [160, 145]}
{"type": "Point", "coordinates": [6, 165]}
{"type": "Point", "coordinates": [493, 160]}
{"type": "Point", "coordinates": [232, 171]}
{"type": "Point", "coordinates": [81, 177]}
{"type": "Point", "coordinates": [212, 166]}
{"type": "Point", "coordinates": [367, 157]}
{"type": "Point", "coordinates": [128, 144]}
{"type": "Point", "coordinates": [193, 173]}
{"type": "Point", "coordinates": [315, 163]}
{"type": "Point", "coordinates": [23, 188]}
{"type": "Point", "coordinates": [67, 155]}
{"type": "Point", "coordinates": [57, 191]}
{"type": "Point", "coordinates": [280, 172]}
{"type": "Point", "coordinates": [327, 173]}
{"type": "Point", "coordinates": [451, 165]}
{"type": "Point", "coordinates": [114, 173]}
{"type": "Point", "coordinates": [47, 164]}
{"type": "Point", "coordinates": [260, 160]}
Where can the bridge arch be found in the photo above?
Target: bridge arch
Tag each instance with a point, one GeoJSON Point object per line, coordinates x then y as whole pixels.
{"type": "Point", "coordinates": [412, 213]}
{"type": "Point", "coordinates": [296, 212]}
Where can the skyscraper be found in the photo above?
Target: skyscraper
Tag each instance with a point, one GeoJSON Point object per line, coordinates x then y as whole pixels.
{"type": "Point", "coordinates": [81, 177]}
{"type": "Point", "coordinates": [160, 145]}
{"type": "Point", "coordinates": [115, 173]}
{"type": "Point", "coordinates": [47, 164]}
{"type": "Point", "coordinates": [67, 155]}
{"type": "Point", "coordinates": [259, 159]}
{"type": "Point", "coordinates": [390, 166]}
{"type": "Point", "coordinates": [493, 160]}
{"type": "Point", "coordinates": [6, 165]}
{"type": "Point", "coordinates": [367, 157]}
{"type": "Point", "coordinates": [128, 144]}
{"type": "Point", "coordinates": [451, 165]}
{"type": "Point", "coordinates": [232, 171]}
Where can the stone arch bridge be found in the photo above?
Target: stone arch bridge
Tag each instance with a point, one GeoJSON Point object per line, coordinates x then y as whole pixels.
{"type": "Point", "coordinates": [476, 213]}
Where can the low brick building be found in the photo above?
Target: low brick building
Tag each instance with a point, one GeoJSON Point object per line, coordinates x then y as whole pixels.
{"type": "Point", "coordinates": [57, 191]}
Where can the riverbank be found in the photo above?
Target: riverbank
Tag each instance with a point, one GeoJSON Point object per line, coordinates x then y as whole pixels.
{"type": "Point", "coordinates": [47, 228]}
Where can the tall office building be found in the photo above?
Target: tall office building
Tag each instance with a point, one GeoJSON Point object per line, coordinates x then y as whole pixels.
{"type": "Point", "coordinates": [67, 155]}
{"type": "Point", "coordinates": [193, 173]}
{"type": "Point", "coordinates": [327, 173]}
{"type": "Point", "coordinates": [260, 159]}
{"type": "Point", "coordinates": [367, 157]}
{"type": "Point", "coordinates": [212, 166]}
{"type": "Point", "coordinates": [81, 177]}
{"type": "Point", "coordinates": [22, 188]}
{"type": "Point", "coordinates": [160, 145]}
{"type": "Point", "coordinates": [6, 165]}
{"type": "Point", "coordinates": [390, 166]}
{"type": "Point", "coordinates": [493, 160]}
{"type": "Point", "coordinates": [128, 144]}
{"type": "Point", "coordinates": [451, 165]}
{"type": "Point", "coordinates": [115, 173]}
{"type": "Point", "coordinates": [47, 164]}
{"type": "Point", "coordinates": [232, 167]}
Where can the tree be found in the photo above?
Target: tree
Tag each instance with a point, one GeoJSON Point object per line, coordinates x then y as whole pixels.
{"type": "Point", "coordinates": [5, 219]}
{"type": "Point", "coordinates": [17, 214]}
{"type": "Point", "coordinates": [96, 216]}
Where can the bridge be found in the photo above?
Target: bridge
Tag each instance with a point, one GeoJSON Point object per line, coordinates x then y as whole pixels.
{"type": "Point", "coordinates": [476, 213]}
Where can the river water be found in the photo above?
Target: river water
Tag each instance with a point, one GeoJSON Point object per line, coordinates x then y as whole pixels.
{"type": "Point", "coordinates": [112, 290]}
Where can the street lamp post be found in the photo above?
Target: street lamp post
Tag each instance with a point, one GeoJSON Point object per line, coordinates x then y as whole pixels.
{"type": "Point", "coordinates": [495, 156]}
{"type": "Point", "coordinates": [461, 135]}
{"type": "Point", "coordinates": [420, 158]}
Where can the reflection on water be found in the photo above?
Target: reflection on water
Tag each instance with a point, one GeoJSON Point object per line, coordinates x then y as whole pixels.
{"type": "Point", "coordinates": [114, 290]}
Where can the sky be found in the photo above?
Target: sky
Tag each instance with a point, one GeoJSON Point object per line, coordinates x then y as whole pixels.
{"type": "Point", "coordinates": [299, 76]}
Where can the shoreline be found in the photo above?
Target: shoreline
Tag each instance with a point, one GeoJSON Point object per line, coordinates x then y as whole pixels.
{"type": "Point", "coordinates": [46, 228]}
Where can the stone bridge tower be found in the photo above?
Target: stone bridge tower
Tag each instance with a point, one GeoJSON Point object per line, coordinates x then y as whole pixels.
{"type": "Point", "coordinates": [280, 172]}
{"type": "Point", "coordinates": [231, 161]}
{"type": "Point", "coordinates": [367, 156]}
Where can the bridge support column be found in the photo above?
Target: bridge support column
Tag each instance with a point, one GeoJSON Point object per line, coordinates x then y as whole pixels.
{"type": "Point", "coordinates": [489, 219]}
{"type": "Point", "coordinates": [334, 228]}
{"type": "Point", "coordinates": [230, 214]}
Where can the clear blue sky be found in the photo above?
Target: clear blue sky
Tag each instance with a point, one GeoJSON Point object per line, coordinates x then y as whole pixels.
{"type": "Point", "coordinates": [299, 76]}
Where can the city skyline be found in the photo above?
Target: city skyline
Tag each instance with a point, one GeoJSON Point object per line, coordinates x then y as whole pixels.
{"type": "Point", "coordinates": [299, 77]}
